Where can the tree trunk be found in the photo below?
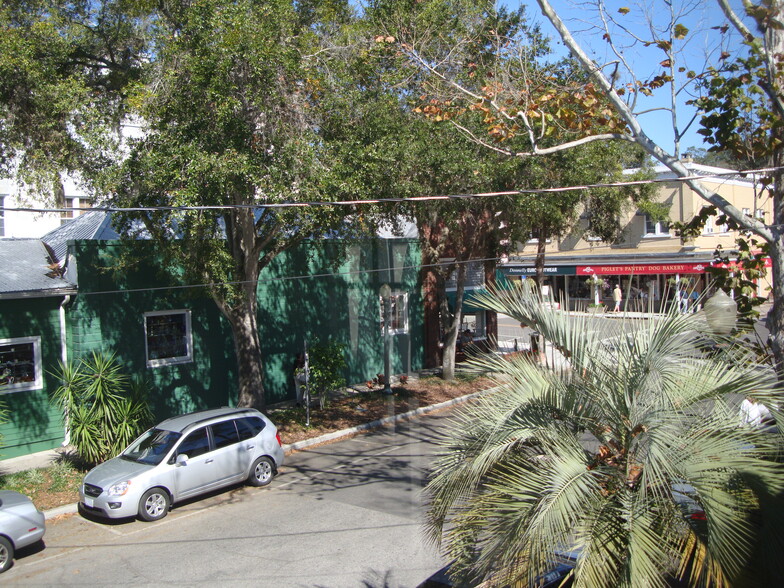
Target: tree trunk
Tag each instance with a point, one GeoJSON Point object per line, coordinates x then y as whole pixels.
{"type": "Point", "coordinates": [453, 326]}
{"type": "Point", "coordinates": [775, 320]}
{"type": "Point", "coordinates": [241, 309]}
{"type": "Point", "coordinates": [432, 323]}
{"type": "Point", "coordinates": [247, 346]}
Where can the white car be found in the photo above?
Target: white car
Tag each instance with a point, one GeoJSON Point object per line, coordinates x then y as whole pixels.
{"type": "Point", "coordinates": [182, 457]}
{"type": "Point", "coordinates": [21, 524]}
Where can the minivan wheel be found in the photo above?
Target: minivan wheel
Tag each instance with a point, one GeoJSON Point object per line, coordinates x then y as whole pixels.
{"type": "Point", "coordinates": [154, 504]}
{"type": "Point", "coordinates": [6, 554]}
{"type": "Point", "coordinates": [262, 472]}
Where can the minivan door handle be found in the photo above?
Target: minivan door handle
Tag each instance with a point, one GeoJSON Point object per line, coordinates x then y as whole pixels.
{"type": "Point", "coordinates": [208, 460]}
{"type": "Point", "coordinates": [249, 447]}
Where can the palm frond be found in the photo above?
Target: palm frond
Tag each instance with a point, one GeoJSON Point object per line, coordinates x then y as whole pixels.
{"type": "Point", "coordinates": [594, 456]}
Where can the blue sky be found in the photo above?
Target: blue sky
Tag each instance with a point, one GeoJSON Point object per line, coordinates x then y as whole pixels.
{"type": "Point", "coordinates": [702, 15]}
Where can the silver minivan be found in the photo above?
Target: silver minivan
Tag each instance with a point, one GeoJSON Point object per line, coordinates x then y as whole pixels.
{"type": "Point", "coordinates": [183, 457]}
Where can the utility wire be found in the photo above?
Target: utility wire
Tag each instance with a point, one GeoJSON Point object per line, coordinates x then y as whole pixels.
{"type": "Point", "coordinates": [413, 199]}
{"type": "Point", "coordinates": [286, 278]}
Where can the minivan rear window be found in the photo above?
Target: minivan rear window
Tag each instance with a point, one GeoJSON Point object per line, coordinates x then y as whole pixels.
{"type": "Point", "coordinates": [249, 427]}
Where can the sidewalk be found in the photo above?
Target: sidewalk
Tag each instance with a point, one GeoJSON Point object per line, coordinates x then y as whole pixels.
{"type": "Point", "coordinates": [42, 459]}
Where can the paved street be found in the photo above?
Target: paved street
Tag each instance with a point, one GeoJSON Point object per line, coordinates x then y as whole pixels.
{"type": "Point", "coordinates": [342, 515]}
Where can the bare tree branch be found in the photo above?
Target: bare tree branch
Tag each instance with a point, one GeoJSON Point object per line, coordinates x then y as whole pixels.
{"type": "Point", "coordinates": [640, 137]}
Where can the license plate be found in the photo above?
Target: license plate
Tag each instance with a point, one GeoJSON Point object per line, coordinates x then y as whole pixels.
{"type": "Point", "coordinates": [88, 501]}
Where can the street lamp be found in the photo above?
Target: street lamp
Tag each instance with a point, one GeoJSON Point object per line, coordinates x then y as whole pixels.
{"type": "Point", "coordinates": [721, 312]}
{"type": "Point", "coordinates": [386, 296]}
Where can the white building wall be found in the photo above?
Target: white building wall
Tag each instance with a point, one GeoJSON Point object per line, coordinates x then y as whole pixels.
{"type": "Point", "coordinates": [23, 224]}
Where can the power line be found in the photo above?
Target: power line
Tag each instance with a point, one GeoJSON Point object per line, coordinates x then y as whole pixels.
{"type": "Point", "coordinates": [286, 278]}
{"type": "Point", "coordinates": [413, 199]}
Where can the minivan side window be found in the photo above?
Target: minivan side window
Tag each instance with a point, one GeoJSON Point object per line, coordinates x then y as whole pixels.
{"type": "Point", "coordinates": [224, 434]}
{"type": "Point", "coordinates": [249, 427]}
{"type": "Point", "coordinates": [196, 443]}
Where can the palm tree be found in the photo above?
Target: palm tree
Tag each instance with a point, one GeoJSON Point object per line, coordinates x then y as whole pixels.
{"type": "Point", "coordinates": [608, 456]}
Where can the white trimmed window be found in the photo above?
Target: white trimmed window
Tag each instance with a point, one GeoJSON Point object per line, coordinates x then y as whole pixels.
{"type": "Point", "coordinates": [398, 313]}
{"type": "Point", "coordinates": [20, 364]}
{"type": "Point", "coordinates": [77, 202]}
{"type": "Point", "coordinates": [167, 336]}
{"type": "Point", "coordinates": [656, 228]}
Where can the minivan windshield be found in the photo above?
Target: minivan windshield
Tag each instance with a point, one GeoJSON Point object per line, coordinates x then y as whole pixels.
{"type": "Point", "coordinates": [151, 447]}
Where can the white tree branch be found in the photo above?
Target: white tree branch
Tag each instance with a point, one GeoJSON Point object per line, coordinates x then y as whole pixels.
{"type": "Point", "coordinates": [735, 20]}
{"type": "Point", "coordinates": [639, 135]}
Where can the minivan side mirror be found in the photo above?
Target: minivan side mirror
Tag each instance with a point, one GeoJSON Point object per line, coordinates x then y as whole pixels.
{"type": "Point", "coordinates": [182, 459]}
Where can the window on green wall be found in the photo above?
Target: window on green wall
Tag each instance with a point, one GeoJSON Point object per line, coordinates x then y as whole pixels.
{"type": "Point", "coordinates": [168, 337]}
{"type": "Point", "coordinates": [20, 364]}
{"type": "Point", "coordinates": [398, 323]}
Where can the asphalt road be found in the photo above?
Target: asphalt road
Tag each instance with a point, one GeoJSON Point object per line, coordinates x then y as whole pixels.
{"type": "Point", "coordinates": [341, 515]}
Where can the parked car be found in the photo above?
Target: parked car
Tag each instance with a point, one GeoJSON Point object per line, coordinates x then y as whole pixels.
{"type": "Point", "coordinates": [563, 562]}
{"type": "Point", "coordinates": [21, 524]}
{"type": "Point", "coordinates": [558, 576]}
{"type": "Point", "coordinates": [182, 457]}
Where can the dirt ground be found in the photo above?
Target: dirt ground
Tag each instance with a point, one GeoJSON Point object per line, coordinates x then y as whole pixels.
{"type": "Point", "coordinates": [362, 406]}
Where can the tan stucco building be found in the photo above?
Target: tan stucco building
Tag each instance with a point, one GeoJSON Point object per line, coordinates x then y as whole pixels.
{"type": "Point", "coordinates": [650, 261]}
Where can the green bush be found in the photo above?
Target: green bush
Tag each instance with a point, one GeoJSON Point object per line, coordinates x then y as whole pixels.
{"type": "Point", "coordinates": [327, 363]}
{"type": "Point", "coordinates": [105, 409]}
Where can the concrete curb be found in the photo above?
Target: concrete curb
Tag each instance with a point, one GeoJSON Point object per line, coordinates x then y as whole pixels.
{"type": "Point", "coordinates": [328, 438]}
{"type": "Point", "coordinates": [337, 435]}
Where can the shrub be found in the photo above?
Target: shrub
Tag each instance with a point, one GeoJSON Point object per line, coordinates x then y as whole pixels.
{"type": "Point", "coordinates": [327, 365]}
{"type": "Point", "coordinates": [105, 409]}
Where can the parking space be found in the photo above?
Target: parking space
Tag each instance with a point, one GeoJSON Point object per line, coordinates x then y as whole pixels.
{"type": "Point", "coordinates": [344, 514]}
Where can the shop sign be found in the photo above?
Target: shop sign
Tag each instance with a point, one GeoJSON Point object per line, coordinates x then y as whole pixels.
{"type": "Point", "coordinates": [642, 269]}
{"type": "Point", "coordinates": [551, 270]}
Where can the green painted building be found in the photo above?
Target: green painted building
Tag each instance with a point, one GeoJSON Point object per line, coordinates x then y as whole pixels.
{"type": "Point", "coordinates": [173, 333]}
{"type": "Point", "coordinates": [32, 320]}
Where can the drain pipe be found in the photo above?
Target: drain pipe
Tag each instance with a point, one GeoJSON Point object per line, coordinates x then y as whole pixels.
{"type": "Point", "coordinates": [64, 359]}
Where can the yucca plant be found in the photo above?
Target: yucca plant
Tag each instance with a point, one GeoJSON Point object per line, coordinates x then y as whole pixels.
{"type": "Point", "coordinates": [105, 409]}
{"type": "Point", "coordinates": [608, 457]}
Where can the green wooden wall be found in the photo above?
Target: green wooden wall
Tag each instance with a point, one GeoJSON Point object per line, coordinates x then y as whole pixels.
{"type": "Point", "coordinates": [317, 291]}
{"type": "Point", "coordinates": [34, 424]}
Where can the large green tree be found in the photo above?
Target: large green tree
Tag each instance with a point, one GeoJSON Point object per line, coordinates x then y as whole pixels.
{"type": "Point", "coordinates": [616, 456]}
{"type": "Point", "coordinates": [64, 68]}
{"type": "Point", "coordinates": [229, 97]}
{"type": "Point", "coordinates": [231, 105]}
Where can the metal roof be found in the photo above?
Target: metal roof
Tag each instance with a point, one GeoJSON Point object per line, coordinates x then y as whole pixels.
{"type": "Point", "coordinates": [95, 224]}
{"type": "Point", "coordinates": [27, 269]}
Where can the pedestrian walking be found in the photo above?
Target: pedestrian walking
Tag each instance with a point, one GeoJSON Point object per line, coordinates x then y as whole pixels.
{"type": "Point", "coordinates": [617, 298]}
